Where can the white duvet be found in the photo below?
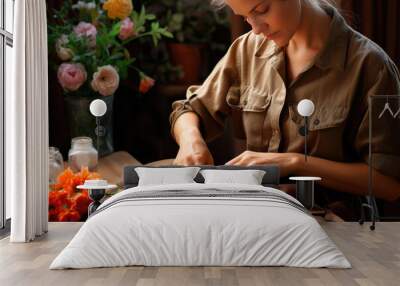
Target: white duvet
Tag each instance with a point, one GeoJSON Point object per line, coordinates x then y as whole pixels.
{"type": "Point", "coordinates": [188, 231]}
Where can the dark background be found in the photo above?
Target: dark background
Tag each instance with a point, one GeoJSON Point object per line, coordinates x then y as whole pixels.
{"type": "Point", "coordinates": [141, 125]}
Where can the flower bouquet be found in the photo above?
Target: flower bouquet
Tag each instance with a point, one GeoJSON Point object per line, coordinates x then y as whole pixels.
{"type": "Point", "coordinates": [91, 43]}
{"type": "Point", "coordinates": [66, 202]}
{"type": "Point", "coordinates": [91, 40]}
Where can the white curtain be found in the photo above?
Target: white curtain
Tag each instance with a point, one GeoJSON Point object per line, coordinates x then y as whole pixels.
{"type": "Point", "coordinates": [27, 123]}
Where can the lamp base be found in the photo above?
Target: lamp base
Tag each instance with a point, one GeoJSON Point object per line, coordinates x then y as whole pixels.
{"type": "Point", "coordinates": [305, 190]}
{"type": "Point", "coordinates": [96, 195]}
{"type": "Point", "coordinates": [305, 193]}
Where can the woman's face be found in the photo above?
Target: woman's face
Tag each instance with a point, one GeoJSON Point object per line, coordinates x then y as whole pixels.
{"type": "Point", "coordinates": [277, 20]}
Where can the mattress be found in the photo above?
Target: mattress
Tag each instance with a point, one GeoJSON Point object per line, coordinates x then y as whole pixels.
{"type": "Point", "coordinates": [201, 225]}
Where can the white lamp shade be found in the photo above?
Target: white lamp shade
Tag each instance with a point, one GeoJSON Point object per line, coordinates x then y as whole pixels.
{"type": "Point", "coordinates": [305, 107]}
{"type": "Point", "coordinates": [98, 107]}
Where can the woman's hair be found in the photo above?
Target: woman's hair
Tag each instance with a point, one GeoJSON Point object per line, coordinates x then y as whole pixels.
{"type": "Point", "coordinates": [323, 3]}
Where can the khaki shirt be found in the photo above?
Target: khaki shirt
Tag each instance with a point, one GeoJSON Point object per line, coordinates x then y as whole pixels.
{"type": "Point", "coordinates": [249, 85]}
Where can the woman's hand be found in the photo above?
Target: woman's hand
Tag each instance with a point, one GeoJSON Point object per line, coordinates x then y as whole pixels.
{"type": "Point", "coordinates": [287, 162]}
{"type": "Point", "coordinates": [193, 150]}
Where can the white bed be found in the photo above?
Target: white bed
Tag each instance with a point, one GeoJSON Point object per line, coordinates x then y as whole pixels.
{"type": "Point", "coordinates": [248, 226]}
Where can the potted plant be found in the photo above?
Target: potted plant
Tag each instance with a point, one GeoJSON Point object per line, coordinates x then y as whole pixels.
{"type": "Point", "coordinates": [90, 43]}
{"type": "Point", "coordinates": [194, 24]}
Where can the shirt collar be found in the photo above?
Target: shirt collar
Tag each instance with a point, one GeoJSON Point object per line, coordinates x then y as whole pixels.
{"type": "Point", "coordinates": [334, 52]}
{"type": "Point", "coordinates": [267, 49]}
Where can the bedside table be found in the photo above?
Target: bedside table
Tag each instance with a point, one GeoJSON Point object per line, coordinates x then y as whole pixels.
{"type": "Point", "coordinates": [327, 215]}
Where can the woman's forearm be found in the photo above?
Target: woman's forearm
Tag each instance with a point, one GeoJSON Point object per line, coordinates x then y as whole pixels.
{"type": "Point", "coordinates": [193, 149]}
{"type": "Point", "coordinates": [349, 177]}
{"type": "Point", "coordinates": [187, 127]}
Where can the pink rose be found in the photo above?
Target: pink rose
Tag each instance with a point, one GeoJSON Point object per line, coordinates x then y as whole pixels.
{"type": "Point", "coordinates": [88, 30]}
{"type": "Point", "coordinates": [71, 76]}
{"type": "Point", "coordinates": [127, 29]}
{"type": "Point", "coordinates": [105, 80]}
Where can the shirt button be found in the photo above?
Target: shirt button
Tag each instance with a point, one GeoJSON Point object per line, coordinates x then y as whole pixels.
{"type": "Point", "coordinates": [316, 121]}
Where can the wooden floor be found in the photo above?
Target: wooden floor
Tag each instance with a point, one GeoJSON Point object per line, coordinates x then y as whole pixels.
{"type": "Point", "coordinates": [375, 257]}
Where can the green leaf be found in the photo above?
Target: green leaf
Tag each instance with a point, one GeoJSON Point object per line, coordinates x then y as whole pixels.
{"type": "Point", "coordinates": [150, 17]}
{"type": "Point", "coordinates": [166, 33]}
{"type": "Point", "coordinates": [115, 29]}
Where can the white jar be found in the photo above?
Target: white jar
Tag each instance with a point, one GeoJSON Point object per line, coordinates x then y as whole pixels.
{"type": "Point", "coordinates": [82, 154]}
{"type": "Point", "coordinates": [56, 164]}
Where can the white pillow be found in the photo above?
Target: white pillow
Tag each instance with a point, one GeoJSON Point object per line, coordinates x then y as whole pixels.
{"type": "Point", "coordinates": [248, 177]}
{"type": "Point", "coordinates": [163, 176]}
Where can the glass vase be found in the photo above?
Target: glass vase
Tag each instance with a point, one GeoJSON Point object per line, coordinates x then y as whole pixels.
{"type": "Point", "coordinates": [56, 164]}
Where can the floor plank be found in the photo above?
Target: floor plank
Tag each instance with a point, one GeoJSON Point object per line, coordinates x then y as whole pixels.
{"type": "Point", "coordinates": [375, 257]}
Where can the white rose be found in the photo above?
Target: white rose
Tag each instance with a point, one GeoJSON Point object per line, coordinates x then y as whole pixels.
{"type": "Point", "coordinates": [91, 6]}
{"type": "Point", "coordinates": [63, 53]}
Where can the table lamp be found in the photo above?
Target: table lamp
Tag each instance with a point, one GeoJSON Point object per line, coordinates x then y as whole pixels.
{"type": "Point", "coordinates": [98, 108]}
{"type": "Point", "coordinates": [305, 185]}
{"type": "Point", "coordinates": [305, 108]}
{"type": "Point", "coordinates": [96, 189]}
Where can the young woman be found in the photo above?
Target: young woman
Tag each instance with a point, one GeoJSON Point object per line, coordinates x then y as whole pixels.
{"type": "Point", "coordinates": [297, 49]}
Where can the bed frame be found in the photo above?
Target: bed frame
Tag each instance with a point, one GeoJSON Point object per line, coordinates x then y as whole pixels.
{"type": "Point", "coordinates": [270, 179]}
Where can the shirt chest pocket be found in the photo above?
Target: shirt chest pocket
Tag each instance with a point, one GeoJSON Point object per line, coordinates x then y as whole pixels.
{"type": "Point", "coordinates": [323, 117]}
{"type": "Point", "coordinates": [326, 126]}
{"type": "Point", "coordinates": [249, 107]}
{"type": "Point", "coordinates": [248, 99]}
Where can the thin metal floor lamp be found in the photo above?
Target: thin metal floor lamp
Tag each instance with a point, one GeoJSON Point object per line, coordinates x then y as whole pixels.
{"type": "Point", "coordinates": [370, 204]}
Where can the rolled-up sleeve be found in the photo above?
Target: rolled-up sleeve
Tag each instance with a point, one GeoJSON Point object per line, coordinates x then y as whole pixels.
{"type": "Point", "coordinates": [208, 100]}
{"type": "Point", "coordinates": [385, 128]}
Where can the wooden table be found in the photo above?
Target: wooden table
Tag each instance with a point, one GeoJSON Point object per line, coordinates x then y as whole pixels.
{"type": "Point", "coordinates": [374, 255]}
{"type": "Point", "coordinates": [112, 166]}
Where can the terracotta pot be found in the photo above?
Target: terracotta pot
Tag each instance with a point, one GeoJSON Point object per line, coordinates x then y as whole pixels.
{"type": "Point", "coordinates": [190, 58]}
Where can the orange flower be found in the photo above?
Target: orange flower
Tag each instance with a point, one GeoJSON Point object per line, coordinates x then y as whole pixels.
{"type": "Point", "coordinates": [66, 202]}
{"type": "Point", "coordinates": [81, 203]}
{"type": "Point", "coordinates": [63, 199]}
{"type": "Point", "coordinates": [65, 179]}
{"type": "Point", "coordinates": [85, 174]}
{"type": "Point", "coordinates": [53, 215]}
{"type": "Point", "coordinates": [58, 202]}
{"type": "Point", "coordinates": [145, 84]}
{"type": "Point", "coordinates": [53, 200]}
{"type": "Point", "coordinates": [118, 8]}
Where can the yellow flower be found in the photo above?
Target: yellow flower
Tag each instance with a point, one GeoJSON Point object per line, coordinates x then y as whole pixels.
{"type": "Point", "coordinates": [118, 8]}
